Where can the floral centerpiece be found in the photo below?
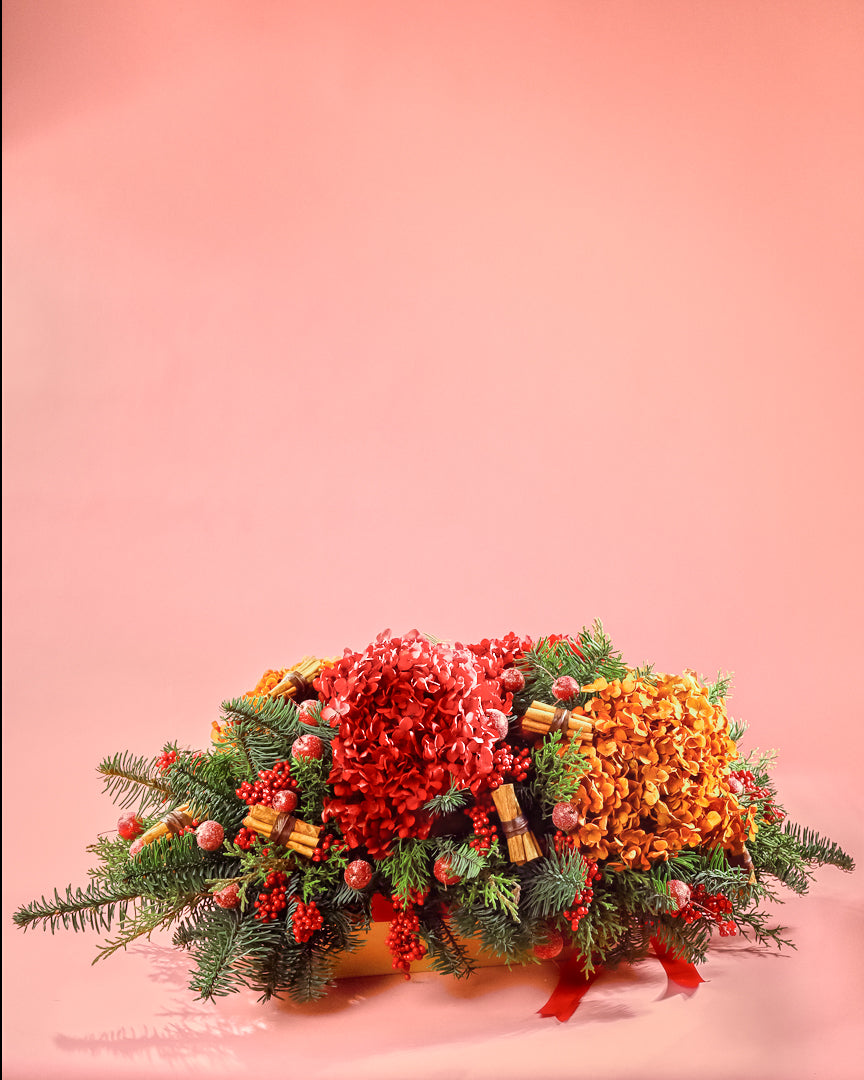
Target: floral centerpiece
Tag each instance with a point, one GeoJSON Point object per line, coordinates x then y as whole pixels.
{"type": "Point", "coordinates": [512, 800]}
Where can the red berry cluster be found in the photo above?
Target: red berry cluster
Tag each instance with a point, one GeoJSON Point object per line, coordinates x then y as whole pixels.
{"type": "Point", "coordinates": [773, 813]}
{"type": "Point", "coordinates": [484, 832]}
{"type": "Point", "coordinates": [268, 783]}
{"type": "Point", "coordinates": [166, 758]}
{"type": "Point", "coordinates": [579, 908]}
{"type": "Point", "coordinates": [245, 839]}
{"type": "Point", "coordinates": [327, 840]}
{"type": "Point", "coordinates": [507, 762]}
{"type": "Point", "coordinates": [562, 842]}
{"type": "Point", "coordinates": [306, 920]}
{"type": "Point", "coordinates": [403, 941]}
{"type": "Point", "coordinates": [271, 900]}
{"type": "Point", "coordinates": [705, 905]}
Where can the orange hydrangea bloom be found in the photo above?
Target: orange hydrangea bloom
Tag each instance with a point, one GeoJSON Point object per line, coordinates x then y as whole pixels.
{"type": "Point", "coordinates": [657, 778]}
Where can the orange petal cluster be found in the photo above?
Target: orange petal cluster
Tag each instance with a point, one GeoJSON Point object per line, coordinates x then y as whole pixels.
{"type": "Point", "coordinates": [657, 780]}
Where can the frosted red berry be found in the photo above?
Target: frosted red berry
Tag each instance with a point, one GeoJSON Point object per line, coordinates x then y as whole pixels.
{"type": "Point", "coordinates": [442, 871]}
{"type": "Point", "coordinates": [565, 688]}
{"type": "Point", "coordinates": [497, 722]}
{"type": "Point", "coordinates": [209, 835]}
{"type": "Point", "coordinates": [129, 826]}
{"type": "Point", "coordinates": [680, 893]}
{"type": "Point", "coordinates": [229, 897]}
{"type": "Point", "coordinates": [551, 947]}
{"type": "Point", "coordinates": [135, 848]}
{"type": "Point", "coordinates": [285, 801]}
{"type": "Point", "coordinates": [307, 746]}
{"type": "Point", "coordinates": [513, 680]}
{"type": "Point", "coordinates": [358, 874]}
{"type": "Point", "coordinates": [565, 817]}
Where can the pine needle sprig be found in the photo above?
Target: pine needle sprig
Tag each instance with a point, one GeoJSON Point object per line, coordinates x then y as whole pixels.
{"type": "Point", "coordinates": [94, 907]}
{"type": "Point", "coordinates": [408, 868]}
{"type": "Point", "coordinates": [557, 775]}
{"type": "Point", "coordinates": [447, 953]}
{"type": "Point", "coordinates": [260, 731]}
{"type": "Point", "coordinates": [311, 775]}
{"type": "Point", "coordinates": [221, 941]}
{"type": "Point", "coordinates": [594, 656]}
{"type": "Point", "coordinates": [173, 867]}
{"type": "Point", "coordinates": [448, 802]}
{"type": "Point", "coordinates": [817, 849]}
{"type": "Point", "coordinates": [206, 782]}
{"type": "Point", "coordinates": [131, 780]}
{"type": "Point", "coordinates": [719, 689]}
{"type": "Point", "coordinates": [494, 890]}
{"type": "Point", "coordinates": [549, 885]}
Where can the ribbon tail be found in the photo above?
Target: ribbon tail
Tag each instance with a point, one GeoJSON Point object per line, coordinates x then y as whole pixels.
{"type": "Point", "coordinates": [679, 971]}
{"type": "Point", "coordinates": [572, 986]}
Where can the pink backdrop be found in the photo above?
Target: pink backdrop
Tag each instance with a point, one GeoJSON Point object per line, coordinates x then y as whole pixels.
{"type": "Point", "coordinates": [322, 318]}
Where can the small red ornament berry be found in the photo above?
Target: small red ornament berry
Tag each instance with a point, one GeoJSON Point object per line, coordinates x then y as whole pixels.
{"type": "Point", "coordinates": [129, 827]}
{"type": "Point", "coordinates": [307, 746]}
{"type": "Point", "coordinates": [358, 874]}
{"type": "Point", "coordinates": [513, 680]}
{"type": "Point", "coordinates": [209, 835]}
{"type": "Point", "coordinates": [551, 947]}
{"type": "Point", "coordinates": [565, 817]}
{"type": "Point", "coordinates": [285, 801]}
{"type": "Point", "coordinates": [735, 785]}
{"type": "Point", "coordinates": [441, 870]}
{"type": "Point", "coordinates": [229, 897]}
{"type": "Point", "coordinates": [680, 893]}
{"type": "Point", "coordinates": [136, 847]}
{"type": "Point", "coordinates": [497, 721]}
{"type": "Point", "coordinates": [565, 688]}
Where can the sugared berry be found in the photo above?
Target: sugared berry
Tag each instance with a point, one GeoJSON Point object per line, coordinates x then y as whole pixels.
{"type": "Point", "coordinates": [229, 897]}
{"type": "Point", "coordinates": [307, 746]}
{"type": "Point", "coordinates": [565, 688]}
{"type": "Point", "coordinates": [358, 874]}
{"type": "Point", "coordinates": [209, 835]}
{"type": "Point", "coordinates": [552, 946]}
{"type": "Point", "coordinates": [129, 826]}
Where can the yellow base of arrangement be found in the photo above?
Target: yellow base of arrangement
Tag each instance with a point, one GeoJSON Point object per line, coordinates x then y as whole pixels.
{"type": "Point", "coordinates": [373, 957]}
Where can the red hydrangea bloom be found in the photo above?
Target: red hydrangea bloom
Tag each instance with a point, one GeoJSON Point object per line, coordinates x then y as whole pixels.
{"type": "Point", "coordinates": [411, 717]}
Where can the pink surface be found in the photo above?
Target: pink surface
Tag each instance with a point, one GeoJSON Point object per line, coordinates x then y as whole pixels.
{"type": "Point", "coordinates": [472, 317]}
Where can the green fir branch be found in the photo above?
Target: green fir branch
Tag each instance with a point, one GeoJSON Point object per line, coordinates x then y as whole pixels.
{"type": "Point", "coordinates": [221, 941]}
{"type": "Point", "coordinates": [447, 953]}
{"type": "Point", "coordinates": [546, 661]}
{"type": "Point", "coordinates": [130, 780]}
{"type": "Point", "coordinates": [408, 867]}
{"type": "Point", "coordinates": [549, 885]}
{"type": "Point", "coordinates": [207, 783]}
{"type": "Point", "coordinates": [817, 849]}
{"type": "Point", "coordinates": [94, 907]}
{"type": "Point", "coordinates": [312, 775]}
{"type": "Point", "coordinates": [557, 775]}
{"type": "Point", "coordinates": [448, 802]}
{"type": "Point", "coordinates": [260, 731]}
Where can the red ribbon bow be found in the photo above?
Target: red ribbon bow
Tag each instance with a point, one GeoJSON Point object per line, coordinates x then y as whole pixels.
{"type": "Point", "coordinates": [574, 983]}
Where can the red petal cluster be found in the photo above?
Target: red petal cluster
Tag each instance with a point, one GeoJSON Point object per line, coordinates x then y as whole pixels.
{"type": "Point", "coordinates": [411, 716]}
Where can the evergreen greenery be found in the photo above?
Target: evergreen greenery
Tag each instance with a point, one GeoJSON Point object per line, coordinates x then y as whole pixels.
{"type": "Point", "coordinates": [505, 908]}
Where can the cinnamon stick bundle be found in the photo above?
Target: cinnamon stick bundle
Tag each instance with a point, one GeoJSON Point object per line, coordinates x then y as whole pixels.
{"type": "Point", "coordinates": [522, 844]}
{"type": "Point", "coordinates": [297, 683]}
{"type": "Point", "coordinates": [170, 825]}
{"type": "Point", "coordinates": [541, 719]}
{"type": "Point", "coordinates": [284, 829]}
